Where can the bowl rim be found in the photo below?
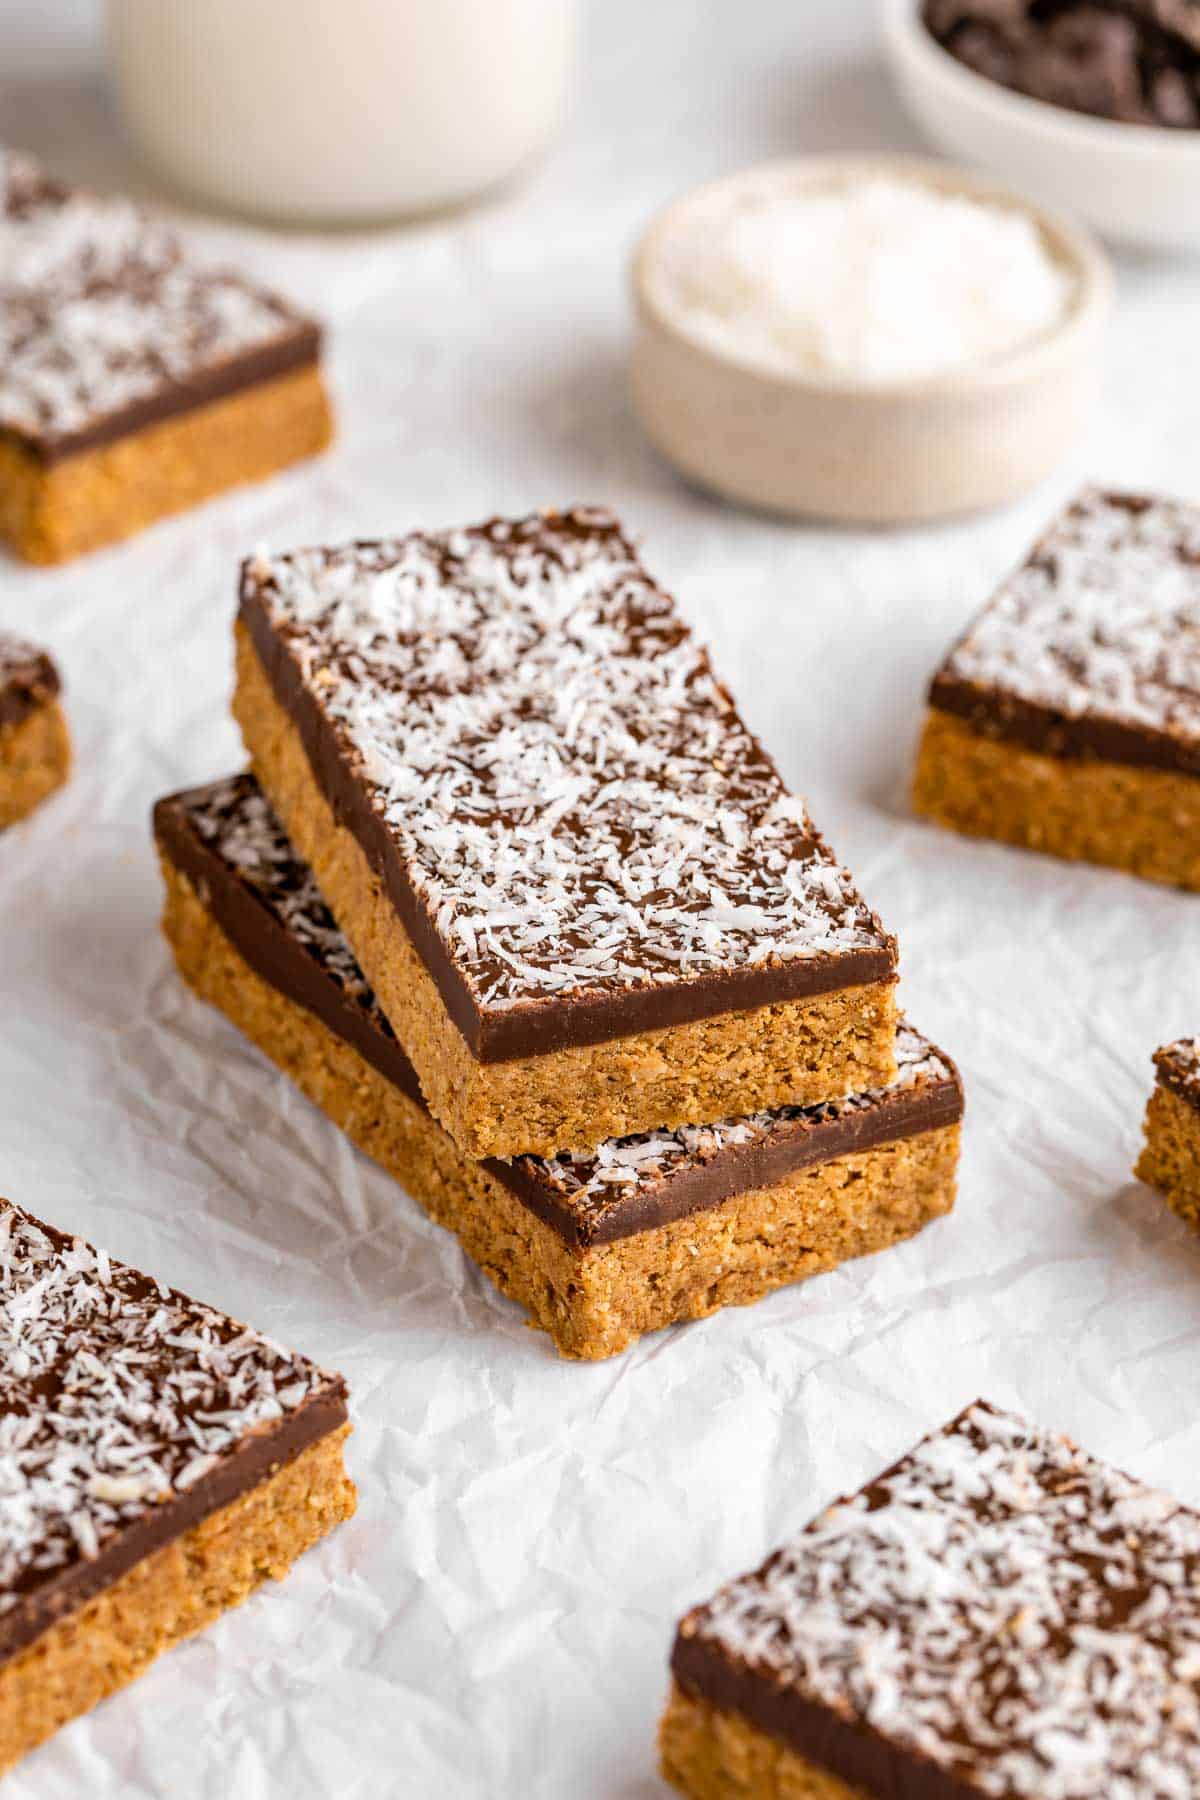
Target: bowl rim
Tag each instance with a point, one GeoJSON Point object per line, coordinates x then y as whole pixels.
{"type": "Point", "coordinates": [1074, 246]}
{"type": "Point", "coordinates": [907, 37]}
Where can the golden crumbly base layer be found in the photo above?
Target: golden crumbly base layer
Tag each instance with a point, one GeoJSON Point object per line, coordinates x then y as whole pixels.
{"type": "Point", "coordinates": [171, 1593]}
{"type": "Point", "coordinates": [1146, 821]}
{"type": "Point", "coordinates": [51, 512]}
{"type": "Point", "coordinates": [801, 1051]}
{"type": "Point", "coordinates": [1170, 1159]}
{"type": "Point", "coordinates": [715, 1755]}
{"type": "Point", "coordinates": [35, 759]}
{"type": "Point", "coordinates": [597, 1302]}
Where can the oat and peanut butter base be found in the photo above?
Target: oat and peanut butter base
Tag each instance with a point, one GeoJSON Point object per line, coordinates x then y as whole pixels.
{"type": "Point", "coordinates": [585, 899]}
{"type": "Point", "coordinates": [1067, 719]}
{"type": "Point", "coordinates": [50, 512]}
{"type": "Point", "coordinates": [1144, 821]}
{"type": "Point", "coordinates": [599, 1248]}
{"type": "Point", "coordinates": [997, 1614]}
{"type": "Point", "coordinates": [1170, 1158]}
{"type": "Point", "coordinates": [593, 1302]}
{"type": "Point", "coordinates": [713, 1755]}
{"type": "Point", "coordinates": [154, 1454]}
{"type": "Point", "coordinates": [170, 1594]}
{"type": "Point", "coordinates": [133, 381]}
{"type": "Point", "coordinates": [35, 750]}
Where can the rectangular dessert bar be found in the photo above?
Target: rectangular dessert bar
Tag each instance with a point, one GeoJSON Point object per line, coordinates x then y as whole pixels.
{"type": "Point", "coordinates": [599, 1248]}
{"type": "Point", "coordinates": [1067, 719]}
{"type": "Point", "coordinates": [35, 751]}
{"type": "Point", "coordinates": [133, 381]}
{"type": "Point", "coordinates": [584, 897]}
{"type": "Point", "coordinates": [158, 1461]}
{"type": "Point", "coordinates": [998, 1614]}
{"type": "Point", "coordinates": [1170, 1158]}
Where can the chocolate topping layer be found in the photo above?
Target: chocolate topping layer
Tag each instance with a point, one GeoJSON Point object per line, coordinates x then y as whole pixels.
{"type": "Point", "coordinates": [28, 679]}
{"type": "Point", "coordinates": [107, 325]}
{"type": "Point", "coordinates": [577, 831]}
{"type": "Point", "coordinates": [227, 842]}
{"type": "Point", "coordinates": [1092, 648]}
{"type": "Point", "coordinates": [128, 1413]}
{"type": "Point", "coordinates": [1178, 1067]}
{"type": "Point", "coordinates": [997, 1614]}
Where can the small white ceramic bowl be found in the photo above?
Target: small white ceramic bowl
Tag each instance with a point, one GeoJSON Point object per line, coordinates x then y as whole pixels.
{"type": "Point", "coordinates": [1138, 184]}
{"type": "Point", "coordinates": [871, 452]}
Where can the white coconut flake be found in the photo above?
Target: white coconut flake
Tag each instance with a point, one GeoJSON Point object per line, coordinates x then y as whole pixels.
{"type": "Point", "coordinates": [119, 1489]}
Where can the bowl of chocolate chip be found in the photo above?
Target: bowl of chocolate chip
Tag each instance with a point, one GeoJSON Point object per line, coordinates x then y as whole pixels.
{"type": "Point", "coordinates": [1091, 106]}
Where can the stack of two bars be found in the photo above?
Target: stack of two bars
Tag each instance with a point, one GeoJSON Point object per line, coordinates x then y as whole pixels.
{"type": "Point", "coordinates": [515, 897]}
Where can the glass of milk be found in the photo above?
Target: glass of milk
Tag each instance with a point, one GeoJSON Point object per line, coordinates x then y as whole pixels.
{"type": "Point", "coordinates": [341, 111]}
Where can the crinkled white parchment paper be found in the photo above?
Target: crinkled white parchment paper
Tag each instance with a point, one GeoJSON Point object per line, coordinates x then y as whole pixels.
{"type": "Point", "coordinates": [497, 1618]}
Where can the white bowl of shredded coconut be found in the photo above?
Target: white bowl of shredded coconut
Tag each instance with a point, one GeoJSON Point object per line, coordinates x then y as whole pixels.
{"type": "Point", "coordinates": [874, 339]}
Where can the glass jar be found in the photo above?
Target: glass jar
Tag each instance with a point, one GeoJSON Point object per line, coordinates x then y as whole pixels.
{"type": "Point", "coordinates": [341, 111]}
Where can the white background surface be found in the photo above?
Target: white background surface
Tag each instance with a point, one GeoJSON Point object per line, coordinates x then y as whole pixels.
{"type": "Point", "coordinates": [497, 1618]}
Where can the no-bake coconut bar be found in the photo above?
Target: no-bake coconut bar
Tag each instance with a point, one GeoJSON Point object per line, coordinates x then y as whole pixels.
{"type": "Point", "coordinates": [157, 1462]}
{"type": "Point", "coordinates": [576, 882]}
{"type": "Point", "coordinates": [601, 1247]}
{"type": "Point", "coordinates": [133, 381]}
{"type": "Point", "coordinates": [1067, 719]}
{"type": "Point", "coordinates": [998, 1614]}
{"type": "Point", "coordinates": [1170, 1158]}
{"type": "Point", "coordinates": [35, 750]}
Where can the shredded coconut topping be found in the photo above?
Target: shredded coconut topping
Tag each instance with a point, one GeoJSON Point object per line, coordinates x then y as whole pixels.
{"type": "Point", "coordinates": [100, 306]}
{"type": "Point", "coordinates": [28, 679]}
{"type": "Point", "coordinates": [1103, 621]}
{"type": "Point", "coordinates": [595, 1182]}
{"type": "Point", "coordinates": [235, 821]}
{"type": "Point", "coordinates": [19, 659]}
{"type": "Point", "coordinates": [574, 796]}
{"type": "Point", "coordinates": [1178, 1065]}
{"type": "Point", "coordinates": [115, 1394]}
{"type": "Point", "coordinates": [999, 1603]}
